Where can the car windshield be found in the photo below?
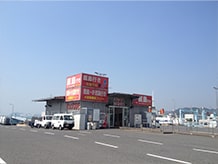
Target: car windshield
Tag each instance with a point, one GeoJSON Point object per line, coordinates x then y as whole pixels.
{"type": "Point", "coordinates": [48, 117]}
{"type": "Point", "coordinates": [68, 117]}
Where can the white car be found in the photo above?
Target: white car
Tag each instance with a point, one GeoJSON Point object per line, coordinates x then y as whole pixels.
{"type": "Point", "coordinates": [62, 120]}
{"type": "Point", "coordinates": [44, 121]}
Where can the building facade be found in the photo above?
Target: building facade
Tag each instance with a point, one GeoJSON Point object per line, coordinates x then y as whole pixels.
{"type": "Point", "coordinates": [119, 111]}
{"type": "Point", "coordinates": [87, 97]}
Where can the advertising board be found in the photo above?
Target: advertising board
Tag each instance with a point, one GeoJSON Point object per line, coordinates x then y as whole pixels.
{"type": "Point", "coordinates": [73, 81]}
{"type": "Point", "coordinates": [94, 94]}
{"type": "Point", "coordinates": [86, 87]}
{"type": "Point", "coordinates": [94, 81]}
{"type": "Point", "coordinates": [72, 94]}
{"type": "Point", "coordinates": [143, 100]}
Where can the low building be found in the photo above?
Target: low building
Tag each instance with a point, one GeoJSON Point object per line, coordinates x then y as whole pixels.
{"type": "Point", "coordinates": [88, 99]}
{"type": "Point", "coordinates": [121, 110]}
{"type": "Point", "coordinates": [54, 105]}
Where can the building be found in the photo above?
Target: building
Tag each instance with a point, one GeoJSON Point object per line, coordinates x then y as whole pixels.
{"type": "Point", "coordinates": [87, 97]}
{"type": "Point", "coordinates": [54, 105]}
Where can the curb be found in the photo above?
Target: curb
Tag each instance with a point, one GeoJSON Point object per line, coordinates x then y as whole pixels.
{"type": "Point", "coordinates": [203, 134]}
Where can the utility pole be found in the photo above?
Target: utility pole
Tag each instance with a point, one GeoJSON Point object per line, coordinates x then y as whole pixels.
{"type": "Point", "coordinates": [216, 89]}
{"type": "Point", "coordinates": [12, 110]}
{"type": "Point", "coordinates": [12, 113]}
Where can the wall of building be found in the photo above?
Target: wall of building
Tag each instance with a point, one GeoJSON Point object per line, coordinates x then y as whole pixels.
{"type": "Point", "coordinates": [94, 105]}
{"type": "Point", "coordinates": [138, 110]}
{"type": "Point", "coordinates": [55, 106]}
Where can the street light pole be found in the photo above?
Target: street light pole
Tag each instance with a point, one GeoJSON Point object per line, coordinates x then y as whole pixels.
{"type": "Point", "coordinates": [216, 89]}
{"type": "Point", "coordinates": [12, 111]}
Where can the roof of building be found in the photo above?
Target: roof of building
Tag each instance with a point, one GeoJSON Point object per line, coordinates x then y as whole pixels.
{"type": "Point", "coordinates": [50, 98]}
{"type": "Point", "coordinates": [116, 94]}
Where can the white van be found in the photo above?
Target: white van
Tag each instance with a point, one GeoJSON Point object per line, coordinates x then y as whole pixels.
{"type": "Point", "coordinates": [62, 120]}
{"type": "Point", "coordinates": [44, 121]}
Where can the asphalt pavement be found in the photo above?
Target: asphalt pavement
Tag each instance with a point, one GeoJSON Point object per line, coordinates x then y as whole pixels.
{"type": "Point", "coordinates": [25, 145]}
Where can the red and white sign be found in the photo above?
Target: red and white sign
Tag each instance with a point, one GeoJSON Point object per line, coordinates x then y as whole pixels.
{"type": "Point", "coordinates": [143, 100]}
{"type": "Point", "coordinates": [72, 94]}
{"type": "Point", "coordinates": [73, 81]}
{"type": "Point", "coordinates": [94, 81]}
{"type": "Point", "coordinates": [94, 94]}
{"type": "Point", "coordinates": [86, 87]}
{"type": "Point", "coordinates": [73, 105]}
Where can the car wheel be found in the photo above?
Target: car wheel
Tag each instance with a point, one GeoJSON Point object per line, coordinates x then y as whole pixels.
{"type": "Point", "coordinates": [53, 127]}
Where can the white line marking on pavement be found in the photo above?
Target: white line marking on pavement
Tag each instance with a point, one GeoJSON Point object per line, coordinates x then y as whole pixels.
{"type": "Point", "coordinates": [111, 135]}
{"type": "Point", "coordinates": [2, 161]}
{"type": "Point", "coordinates": [206, 151]}
{"type": "Point", "coordinates": [75, 138]}
{"type": "Point", "coordinates": [169, 159]}
{"type": "Point", "coordinates": [104, 144]}
{"type": "Point", "coordinates": [35, 131]}
{"type": "Point", "coordinates": [151, 142]}
{"type": "Point", "coordinates": [49, 133]}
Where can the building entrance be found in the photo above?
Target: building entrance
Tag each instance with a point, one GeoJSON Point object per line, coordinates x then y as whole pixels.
{"type": "Point", "coordinates": [118, 116]}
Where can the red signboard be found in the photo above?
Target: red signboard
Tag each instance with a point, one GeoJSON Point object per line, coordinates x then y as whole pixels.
{"type": "Point", "coordinates": [73, 81]}
{"type": "Point", "coordinates": [94, 94]}
{"type": "Point", "coordinates": [72, 94]}
{"type": "Point", "coordinates": [73, 105]}
{"type": "Point", "coordinates": [94, 81]}
{"type": "Point", "coordinates": [86, 87]}
{"type": "Point", "coordinates": [143, 100]}
{"type": "Point", "coordinates": [118, 101]}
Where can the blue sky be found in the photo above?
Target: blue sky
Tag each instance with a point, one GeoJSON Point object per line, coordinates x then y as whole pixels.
{"type": "Point", "coordinates": [168, 48]}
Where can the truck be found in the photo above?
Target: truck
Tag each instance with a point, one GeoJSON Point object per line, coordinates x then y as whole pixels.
{"type": "Point", "coordinates": [44, 121]}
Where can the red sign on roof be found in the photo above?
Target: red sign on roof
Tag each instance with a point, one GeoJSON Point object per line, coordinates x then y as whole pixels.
{"type": "Point", "coordinates": [143, 100]}
{"type": "Point", "coordinates": [87, 87]}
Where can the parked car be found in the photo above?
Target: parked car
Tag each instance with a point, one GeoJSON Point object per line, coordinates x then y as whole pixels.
{"type": "Point", "coordinates": [4, 120]}
{"type": "Point", "coordinates": [44, 121]}
{"type": "Point", "coordinates": [62, 120]}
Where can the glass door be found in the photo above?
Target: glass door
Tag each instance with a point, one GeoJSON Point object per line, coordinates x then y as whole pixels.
{"type": "Point", "coordinates": [125, 116]}
{"type": "Point", "coordinates": [111, 117]}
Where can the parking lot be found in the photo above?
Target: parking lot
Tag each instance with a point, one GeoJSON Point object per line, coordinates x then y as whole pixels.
{"type": "Point", "coordinates": [24, 145]}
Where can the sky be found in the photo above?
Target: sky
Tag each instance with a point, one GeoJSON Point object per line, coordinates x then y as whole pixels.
{"type": "Point", "coordinates": [167, 49]}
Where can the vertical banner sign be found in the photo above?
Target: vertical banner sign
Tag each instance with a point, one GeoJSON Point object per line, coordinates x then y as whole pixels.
{"type": "Point", "coordinates": [73, 88]}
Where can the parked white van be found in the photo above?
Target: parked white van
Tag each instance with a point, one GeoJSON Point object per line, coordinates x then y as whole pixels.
{"type": "Point", "coordinates": [62, 120]}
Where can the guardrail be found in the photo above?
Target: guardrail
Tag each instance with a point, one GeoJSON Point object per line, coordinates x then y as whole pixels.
{"type": "Point", "coordinates": [201, 131]}
{"type": "Point", "coordinates": [178, 129]}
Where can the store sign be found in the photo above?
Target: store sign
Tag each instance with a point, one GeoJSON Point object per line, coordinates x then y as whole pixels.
{"type": "Point", "coordinates": [94, 81]}
{"type": "Point", "coordinates": [94, 94]}
{"type": "Point", "coordinates": [87, 87]}
{"type": "Point", "coordinates": [72, 94]}
{"type": "Point", "coordinates": [118, 101]}
{"type": "Point", "coordinates": [73, 105]}
{"type": "Point", "coordinates": [143, 100]}
{"type": "Point", "coordinates": [73, 81]}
